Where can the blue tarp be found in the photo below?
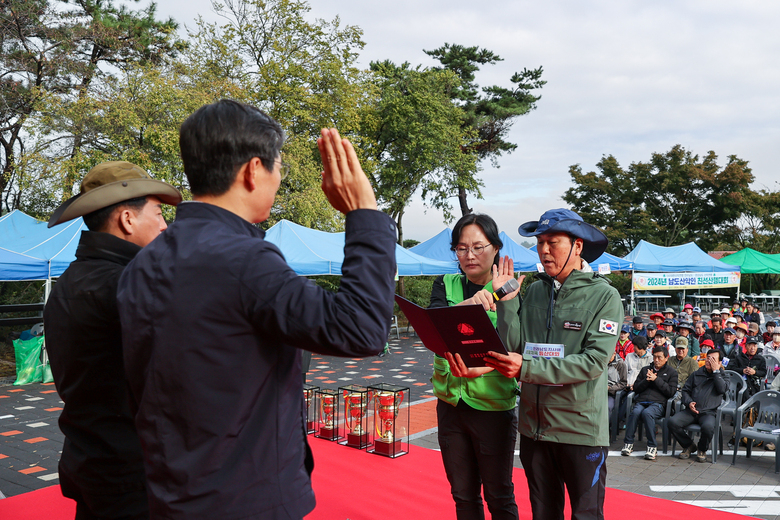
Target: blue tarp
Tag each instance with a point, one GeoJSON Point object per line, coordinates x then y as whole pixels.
{"type": "Point", "coordinates": [438, 248]}
{"type": "Point", "coordinates": [687, 257]}
{"type": "Point", "coordinates": [53, 248]}
{"type": "Point", "coordinates": [310, 252]}
{"type": "Point", "coordinates": [615, 263]}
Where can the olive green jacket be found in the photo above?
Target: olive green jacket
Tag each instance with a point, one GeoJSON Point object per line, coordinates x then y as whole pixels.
{"type": "Point", "coordinates": [586, 318]}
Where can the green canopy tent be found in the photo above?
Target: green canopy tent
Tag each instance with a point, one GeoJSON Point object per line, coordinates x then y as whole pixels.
{"type": "Point", "coordinates": [751, 261]}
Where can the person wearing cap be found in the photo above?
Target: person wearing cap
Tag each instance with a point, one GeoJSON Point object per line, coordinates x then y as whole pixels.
{"type": "Point", "coordinates": [682, 362]}
{"type": "Point", "coordinates": [741, 330]}
{"type": "Point", "coordinates": [670, 315]}
{"type": "Point", "coordinates": [214, 321]}
{"type": "Point", "coordinates": [754, 329]}
{"type": "Point", "coordinates": [575, 312]}
{"type": "Point", "coordinates": [624, 344]}
{"type": "Point", "coordinates": [657, 318]}
{"type": "Point", "coordinates": [686, 330]}
{"type": "Point", "coordinates": [705, 346]}
{"type": "Point", "coordinates": [661, 339]}
{"type": "Point", "coordinates": [730, 347]}
{"type": "Point", "coordinates": [637, 328]}
{"type": "Point", "coordinates": [751, 365]}
{"type": "Point", "coordinates": [736, 305]}
{"type": "Point", "coordinates": [739, 316]}
{"type": "Point", "coordinates": [668, 328]}
{"type": "Point", "coordinates": [725, 313]}
{"type": "Point", "coordinates": [654, 385]}
{"type": "Point", "coordinates": [101, 466]}
{"type": "Point", "coordinates": [702, 394]}
{"type": "Point", "coordinates": [651, 329]}
{"type": "Point", "coordinates": [688, 309]}
{"type": "Point", "coordinates": [714, 314]}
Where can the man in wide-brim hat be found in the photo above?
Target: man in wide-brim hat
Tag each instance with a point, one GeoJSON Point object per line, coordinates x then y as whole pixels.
{"type": "Point", "coordinates": [576, 314]}
{"type": "Point", "coordinates": [101, 466]}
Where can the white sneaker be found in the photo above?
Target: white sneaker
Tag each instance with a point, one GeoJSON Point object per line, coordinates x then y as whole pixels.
{"type": "Point", "coordinates": [651, 451]}
{"type": "Point", "coordinates": [627, 449]}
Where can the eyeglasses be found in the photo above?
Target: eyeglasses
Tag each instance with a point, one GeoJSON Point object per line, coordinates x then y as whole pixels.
{"type": "Point", "coordinates": [285, 169]}
{"type": "Point", "coordinates": [477, 250]}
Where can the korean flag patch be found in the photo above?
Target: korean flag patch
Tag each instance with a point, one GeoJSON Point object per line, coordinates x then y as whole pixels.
{"type": "Point", "coordinates": [610, 327]}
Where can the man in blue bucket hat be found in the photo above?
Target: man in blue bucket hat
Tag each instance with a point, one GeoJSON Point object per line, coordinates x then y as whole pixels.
{"type": "Point", "coordinates": [575, 315]}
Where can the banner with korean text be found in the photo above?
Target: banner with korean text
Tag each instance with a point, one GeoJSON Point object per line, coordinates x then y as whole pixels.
{"type": "Point", "coordinates": [668, 281]}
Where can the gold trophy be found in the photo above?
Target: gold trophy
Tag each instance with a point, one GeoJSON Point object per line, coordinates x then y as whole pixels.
{"type": "Point", "coordinates": [386, 406]}
{"type": "Point", "coordinates": [355, 405]}
{"type": "Point", "coordinates": [327, 415]}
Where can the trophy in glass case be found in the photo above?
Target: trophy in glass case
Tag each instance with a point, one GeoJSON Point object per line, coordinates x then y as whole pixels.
{"type": "Point", "coordinates": [308, 397]}
{"type": "Point", "coordinates": [355, 415]}
{"type": "Point", "coordinates": [327, 414]}
{"type": "Point", "coordinates": [391, 426]}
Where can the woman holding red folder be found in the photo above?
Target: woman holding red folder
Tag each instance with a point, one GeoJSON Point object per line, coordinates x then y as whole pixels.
{"type": "Point", "coordinates": [477, 417]}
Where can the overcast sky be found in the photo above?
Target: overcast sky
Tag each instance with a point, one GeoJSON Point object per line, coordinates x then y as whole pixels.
{"type": "Point", "coordinates": [626, 78]}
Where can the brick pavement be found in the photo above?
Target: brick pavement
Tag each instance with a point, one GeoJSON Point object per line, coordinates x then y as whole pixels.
{"type": "Point", "coordinates": [30, 441]}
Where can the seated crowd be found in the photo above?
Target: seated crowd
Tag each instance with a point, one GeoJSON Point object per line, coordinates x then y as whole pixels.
{"type": "Point", "coordinates": [683, 358]}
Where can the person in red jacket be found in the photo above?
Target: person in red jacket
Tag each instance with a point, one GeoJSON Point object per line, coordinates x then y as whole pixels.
{"type": "Point", "coordinates": [624, 344]}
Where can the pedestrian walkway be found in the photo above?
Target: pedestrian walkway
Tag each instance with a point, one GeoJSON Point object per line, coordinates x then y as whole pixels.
{"type": "Point", "coordinates": [30, 440]}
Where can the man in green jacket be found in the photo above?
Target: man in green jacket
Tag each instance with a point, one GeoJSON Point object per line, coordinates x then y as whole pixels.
{"type": "Point", "coordinates": [573, 315]}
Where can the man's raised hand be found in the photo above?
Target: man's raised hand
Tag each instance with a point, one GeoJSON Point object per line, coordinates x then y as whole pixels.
{"type": "Point", "coordinates": [343, 181]}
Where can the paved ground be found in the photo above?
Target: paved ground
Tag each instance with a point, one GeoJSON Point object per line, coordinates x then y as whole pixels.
{"type": "Point", "coordinates": [30, 441]}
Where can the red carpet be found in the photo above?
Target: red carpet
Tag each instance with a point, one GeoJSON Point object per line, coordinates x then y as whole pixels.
{"type": "Point", "coordinates": [355, 485]}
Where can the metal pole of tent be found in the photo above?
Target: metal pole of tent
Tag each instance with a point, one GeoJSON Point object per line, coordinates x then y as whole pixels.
{"type": "Point", "coordinates": [633, 309]}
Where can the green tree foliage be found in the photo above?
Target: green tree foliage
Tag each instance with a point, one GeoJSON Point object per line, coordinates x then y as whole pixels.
{"type": "Point", "coordinates": [490, 113]}
{"type": "Point", "coordinates": [56, 49]}
{"type": "Point", "coordinates": [300, 72]}
{"type": "Point", "coordinates": [674, 198]}
{"type": "Point", "coordinates": [414, 134]}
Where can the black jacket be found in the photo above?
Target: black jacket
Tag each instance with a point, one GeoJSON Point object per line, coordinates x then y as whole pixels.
{"type": "Point", "coordinates": [706, 389]}
{"type": "Point", "coordinates": [101, 453]}
{"type": "Point", "coordinates": [213, 319]}
{"type": "Point", "coordinates": [757, 362]}
{"type": "Point", "coordinates": [658, 391]}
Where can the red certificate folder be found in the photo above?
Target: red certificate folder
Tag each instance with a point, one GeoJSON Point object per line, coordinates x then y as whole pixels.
{"type": "Point", "coordinates": [462, 329]}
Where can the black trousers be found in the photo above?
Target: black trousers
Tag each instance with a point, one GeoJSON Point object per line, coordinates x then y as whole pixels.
{"type": "Point", "coordinates": [551, 465]}
{"type": "Point", "coordinates": [478, 450]}
{"type": "Point", "coordinates": [131, 504]}
{"type": "Point", "coordinates": [684, 418]}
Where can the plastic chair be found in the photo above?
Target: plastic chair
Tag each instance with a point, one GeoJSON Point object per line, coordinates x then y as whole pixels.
{"type": "Point", "coordinates": [767, 420]}
{"type": "Point", "coordinates": [731, 401]}
{"type": "Point", "coordinates": [772, 362]}
{"type": "Point", "coordinates": [394, 325]}
{"type": "Point", "coordinates": [613, 419]}
{"type": "Point", "coordinates": [663, 421]}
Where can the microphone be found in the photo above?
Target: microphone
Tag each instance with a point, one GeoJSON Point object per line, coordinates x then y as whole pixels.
{"type": "Point", "coordinates": [507, 288]}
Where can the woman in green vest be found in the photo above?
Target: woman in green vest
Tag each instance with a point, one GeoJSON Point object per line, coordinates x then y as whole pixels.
{"type": "Point", "coordinates": [477, 417]}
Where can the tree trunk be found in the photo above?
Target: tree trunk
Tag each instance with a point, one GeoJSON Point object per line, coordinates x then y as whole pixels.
{"type": "Point", "coordinates": [464, 205]}
{"type": "Point", "coordinates": [401, 288]}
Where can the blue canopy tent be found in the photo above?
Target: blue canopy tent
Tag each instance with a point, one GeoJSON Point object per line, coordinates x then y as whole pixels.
{"type": "Point", "coordinates": [438, 248]}
{"type": "Point", "coordinates": [18, 267]}
{"type": "Point", "coordinates": [54, 248]}
{"type": "Point", "coordinates": [675, 259]}
{"type": "Point", "coordinates": [310, 252]}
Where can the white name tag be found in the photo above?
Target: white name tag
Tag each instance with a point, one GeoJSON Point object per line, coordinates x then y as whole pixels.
{"type": "Point", "coordinates": [604, 269]}
{"type": "Point", "coordinates": [545, 350]}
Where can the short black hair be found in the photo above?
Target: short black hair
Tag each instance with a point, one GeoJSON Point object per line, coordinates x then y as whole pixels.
{"type": "Point", "coordinates": [98, 219]}
{"type": "Point", "coordinates": [640, 342]}
{"type": "Point", "coordinates": [486, 224]}
{"type": "Point", "coordinates": [664, 350]}
{"type": "Point", "coordinates": [717, 351]}
{"type": "Point", "coordinates": [772, 323]}
{"type": "Point", "coordinates": [717, 319]}
{"type": "Point", "coordinates": [219, 138]}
